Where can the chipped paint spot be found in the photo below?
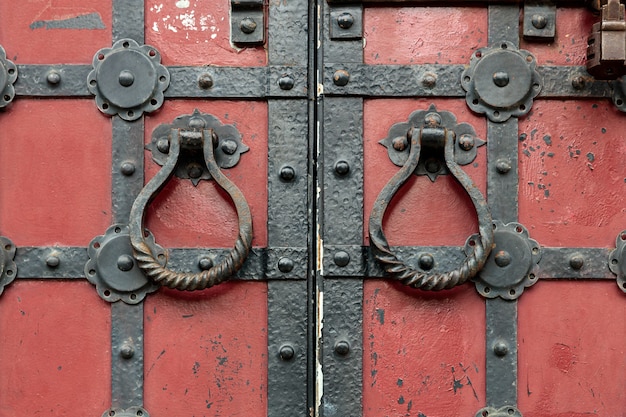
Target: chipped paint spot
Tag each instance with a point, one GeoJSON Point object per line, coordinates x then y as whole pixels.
{"type": "Point", "coordinates": [182, 4]}
{"type": "Point", "coordinates": [155, 27]}
{"type": "Point", "coordinates": [591, 157]}
{"type": "Point", "coordinates": [156, 9]}
{"type": "Point", "coordinates": [381, 315]}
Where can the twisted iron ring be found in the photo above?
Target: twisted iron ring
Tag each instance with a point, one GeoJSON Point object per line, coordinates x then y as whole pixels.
{"type": "Point", "coordinates": [406, 274]}
{"type": "Point", "coordinates": [147, 261]}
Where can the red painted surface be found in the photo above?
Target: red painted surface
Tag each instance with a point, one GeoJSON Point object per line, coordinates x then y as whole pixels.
{"type": "Point", "coordinates": [196, 32]}
{"type": "Point", "coordinates": [27, 40]}
{"type": "Point", "coordinates": [206, 352]}
{"type": "Point", "coordinates": [55, 352]}
{"type": "Point", "coordinates": [423, 35]}
{"type": "Point", "coordinates": [571, 350]}
{"type": "Point", "coordinates": [423, 352]}
{"type": "Point", "coordinates": [572, 175]}
{"type": "Point", "coordinates": [55, 171]}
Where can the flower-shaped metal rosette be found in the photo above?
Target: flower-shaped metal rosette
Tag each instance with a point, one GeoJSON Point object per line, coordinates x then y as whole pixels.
{"type": "Point", "coordinates": [113, 269]}
{"type": "Point", "coordinates": [501, 81]}
{"type": "Point", "coordinates": [228, 145]}
{"type": "Point", "coordinates": [512, 264]}
{"type": "Point", "coordinates": [617, 260]}
{"type": "Point", "coordinates": [8, 76]}
{"type": "Point", "coordinates": [398, 140]}
{"type": "Point", "coordinates": [128, 79]}
{"type": "Point", "coordinates": [619, 94]}
{"type": "Point", "coordinates": [8, 269]}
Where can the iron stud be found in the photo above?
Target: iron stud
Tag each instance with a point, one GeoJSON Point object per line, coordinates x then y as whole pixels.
{"type": "Point", "coordinates": [539, 21]}
{"type": "Point", "coordinates": [500, 349]}
{"type": "Point", "coordinates": [342, 258]}
{"type": "Point", "coordinates": [400, 143]}
{"type": "Point", "coordinates": [247, 25]}
{"type": "Point", "coordinates": [205, 81]}
{"type": "Point", "coordinates": [163, 145]}
{"type": "Point", "coordinates": [53, 77]}
{"type": "Point", "coordinates": [342, 348]}
{"type": "Point", "coordinates": [53, 261]}
{"type": "Point", "coordinates": [578, 83]}
{"type": "Point", "coordinates": [229, 147]}
{"type": "Point", "coordinates": [126, 78]}
{"type": "Point", "coordinates": [194, 170]}
{"type": "Point", "coordinates": [426, 261]}
{"type": "Point", "coordinates": [429, 80]}
{"type": "Point", "coordinates": [287, 352]}
{"type": "Point", "coordinates": [205, 263]}
{"type": "Point", "coordinates": [127, 168]}
{"type": "Point", "coordinates": [576, 261]}
{"type": "Point", "coordinates": [502, 258]}
{"type": "Point", "coordinates": [342, 167]}
{"type": "Point", "coordinates": [286, 82]}
{"type": "Point", "coordinates": [503, 166]}
{"type": "Point", "coordinates": [285, 265]}
{"type": "Point", "coordinates": [345, 20]}
{"type": "Point", "coordinates": [501, 79]}
{"type": "Point", "coordinates": [341, 77]}
{"type": "Point", "coordinates": [127, 351]}
{"type": "Point", "coordinates": [125, 262]}
{"type": "Point", "coordinates": [466, 142]}
{"type": "Point", "coordinates": [432, 165]}
{"type": "Point", "coordinates": [287, 173]}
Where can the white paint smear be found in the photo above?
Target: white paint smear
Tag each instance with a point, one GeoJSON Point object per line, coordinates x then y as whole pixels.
{"type": "Point", "coordinates": [182, 4]}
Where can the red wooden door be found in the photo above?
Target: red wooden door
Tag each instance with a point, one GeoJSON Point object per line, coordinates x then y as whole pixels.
{"type": "Point", "coordinates": [383, 150]}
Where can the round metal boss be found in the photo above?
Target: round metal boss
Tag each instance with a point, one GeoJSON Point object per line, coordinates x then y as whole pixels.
{"type": "Point", "coordinates": [112, 268]}
{"type": "Point", "coordinates": [617, 260]}
{"type": "Point", "coordinates": [128, 79]}
{"type": "Point", "coordinates": [501, 81]}
{"type": "Point", "coordinates": [8, 76]}
{"type": "Point", "coordinates": [510, 265]}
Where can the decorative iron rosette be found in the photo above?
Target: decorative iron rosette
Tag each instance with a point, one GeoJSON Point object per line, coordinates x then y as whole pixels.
{"type": "Point", "coordinates": [113, 269]}
{"type": "Point", "coordinates": [8, 269]}
{"type": "Point", "coordinates": [501, 81]}
{"type": "Point", "coordinates": [617, 260]}
{"type": "Point", "coordinates": [227, 152]}
{"type": "Point", "coordinates": [512, 263]}
{"type": "Point", "coordinates": [430, 164]}
{"type": "Point", "coordinates": [8, 76]}
{"type": "Point", "coordinates": [128, 79]}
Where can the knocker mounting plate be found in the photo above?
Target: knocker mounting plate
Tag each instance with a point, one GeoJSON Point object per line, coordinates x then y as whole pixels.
{"type": "Point", "coordinates": [228, 146]}
{"type": "Point", "coordinates": [431, 162]}
{"type": "Point", "coordinates": [619, 93]}
{"type": "Point", "coordinates": [617, 260]}
{"type": "Point", "coordinates": [128, 79]}
{"type": "Point", "coordinates": [8, 269]}
{"type": "Point", "coordinates": [114, 271]}
{"type": "Point", "coordinates": [501, 81]}
{"type": "Point", "coordinates": [8, 76]}
{"type": "Point", "coordinates": [511, 265]}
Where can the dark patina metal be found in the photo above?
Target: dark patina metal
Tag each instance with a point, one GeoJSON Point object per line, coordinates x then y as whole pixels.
{"type": "Point", "coordinates": [195, 137]}
{"type": "Point", "coordinates": [8, 268]}
{"type": "Point", "coordinates": [8, 76]}
{"type": "Point", "coordinates": [617, 260]}
{"type": "Point", "coordinates": [508, 411]}
{"type": "Point", "coordinates": [112, 269]}
{"type": "Point", "coordinates": [539, 20]}
{"type": "Point", "coordinates": [435, 135]}
{"type": "Point", "coordinates": [619, 93]}
{"type": "Point", "coordinates": [128, 79]}
{"type": "Point", "coordinates": [431, 161]}
{"type": "Point", "coordinates": [129, 412]}
{"type": "Point", "coordinates": [247, 22]}
{"type": "Point", "coordinates": [346, 22]}
{"type": "Point", "coordinates": [606, 50]}
{"type": "Point", "coordinates": [512, 264]}
{"type": "Point", "coordinates": [501, 81]}
{"type": "Point", "coordinates": [228, 146]}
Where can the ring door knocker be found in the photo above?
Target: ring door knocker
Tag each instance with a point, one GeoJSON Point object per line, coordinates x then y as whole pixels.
{"type": "Point", "coordinates": [192, 137]}
{"type": "Point", "coordinates": [429, 133]}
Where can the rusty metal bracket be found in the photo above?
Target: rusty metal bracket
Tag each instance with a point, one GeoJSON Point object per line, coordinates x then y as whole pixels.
{"type": "Point", "coordinates": [501, 81]}
{"type": "Point", "coordinates": [507, 411]}
{"type": "Point", "coordinates": [539, 20]}
{"type": "Point", "coordinates": [129, 412]}
{"type": "Point", "coordinates": [128, 79]}
{"type": "Point", "coordinates": [8, 269]}
{"type": "Point", "coordinates": [436, 136]}
{"type": "Point", "coordinates": [247, 22]}
{"type": "Point", "coordinates": [8, 76]}
{"type": "Point", "coordinates": [512, 264]}
{"type": "Point", "coordinates": [617, 260]}
{"type": "Point", "coordinates": [112, 268]}
{"type": "Point", "coordinates": [191, 164]}
{"type": "Point", "coordinates": [431, 160]}
{"type": "Point", "coordinates": [346, 22]}
{"type": "Point", "coordinates": [147, 260]}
